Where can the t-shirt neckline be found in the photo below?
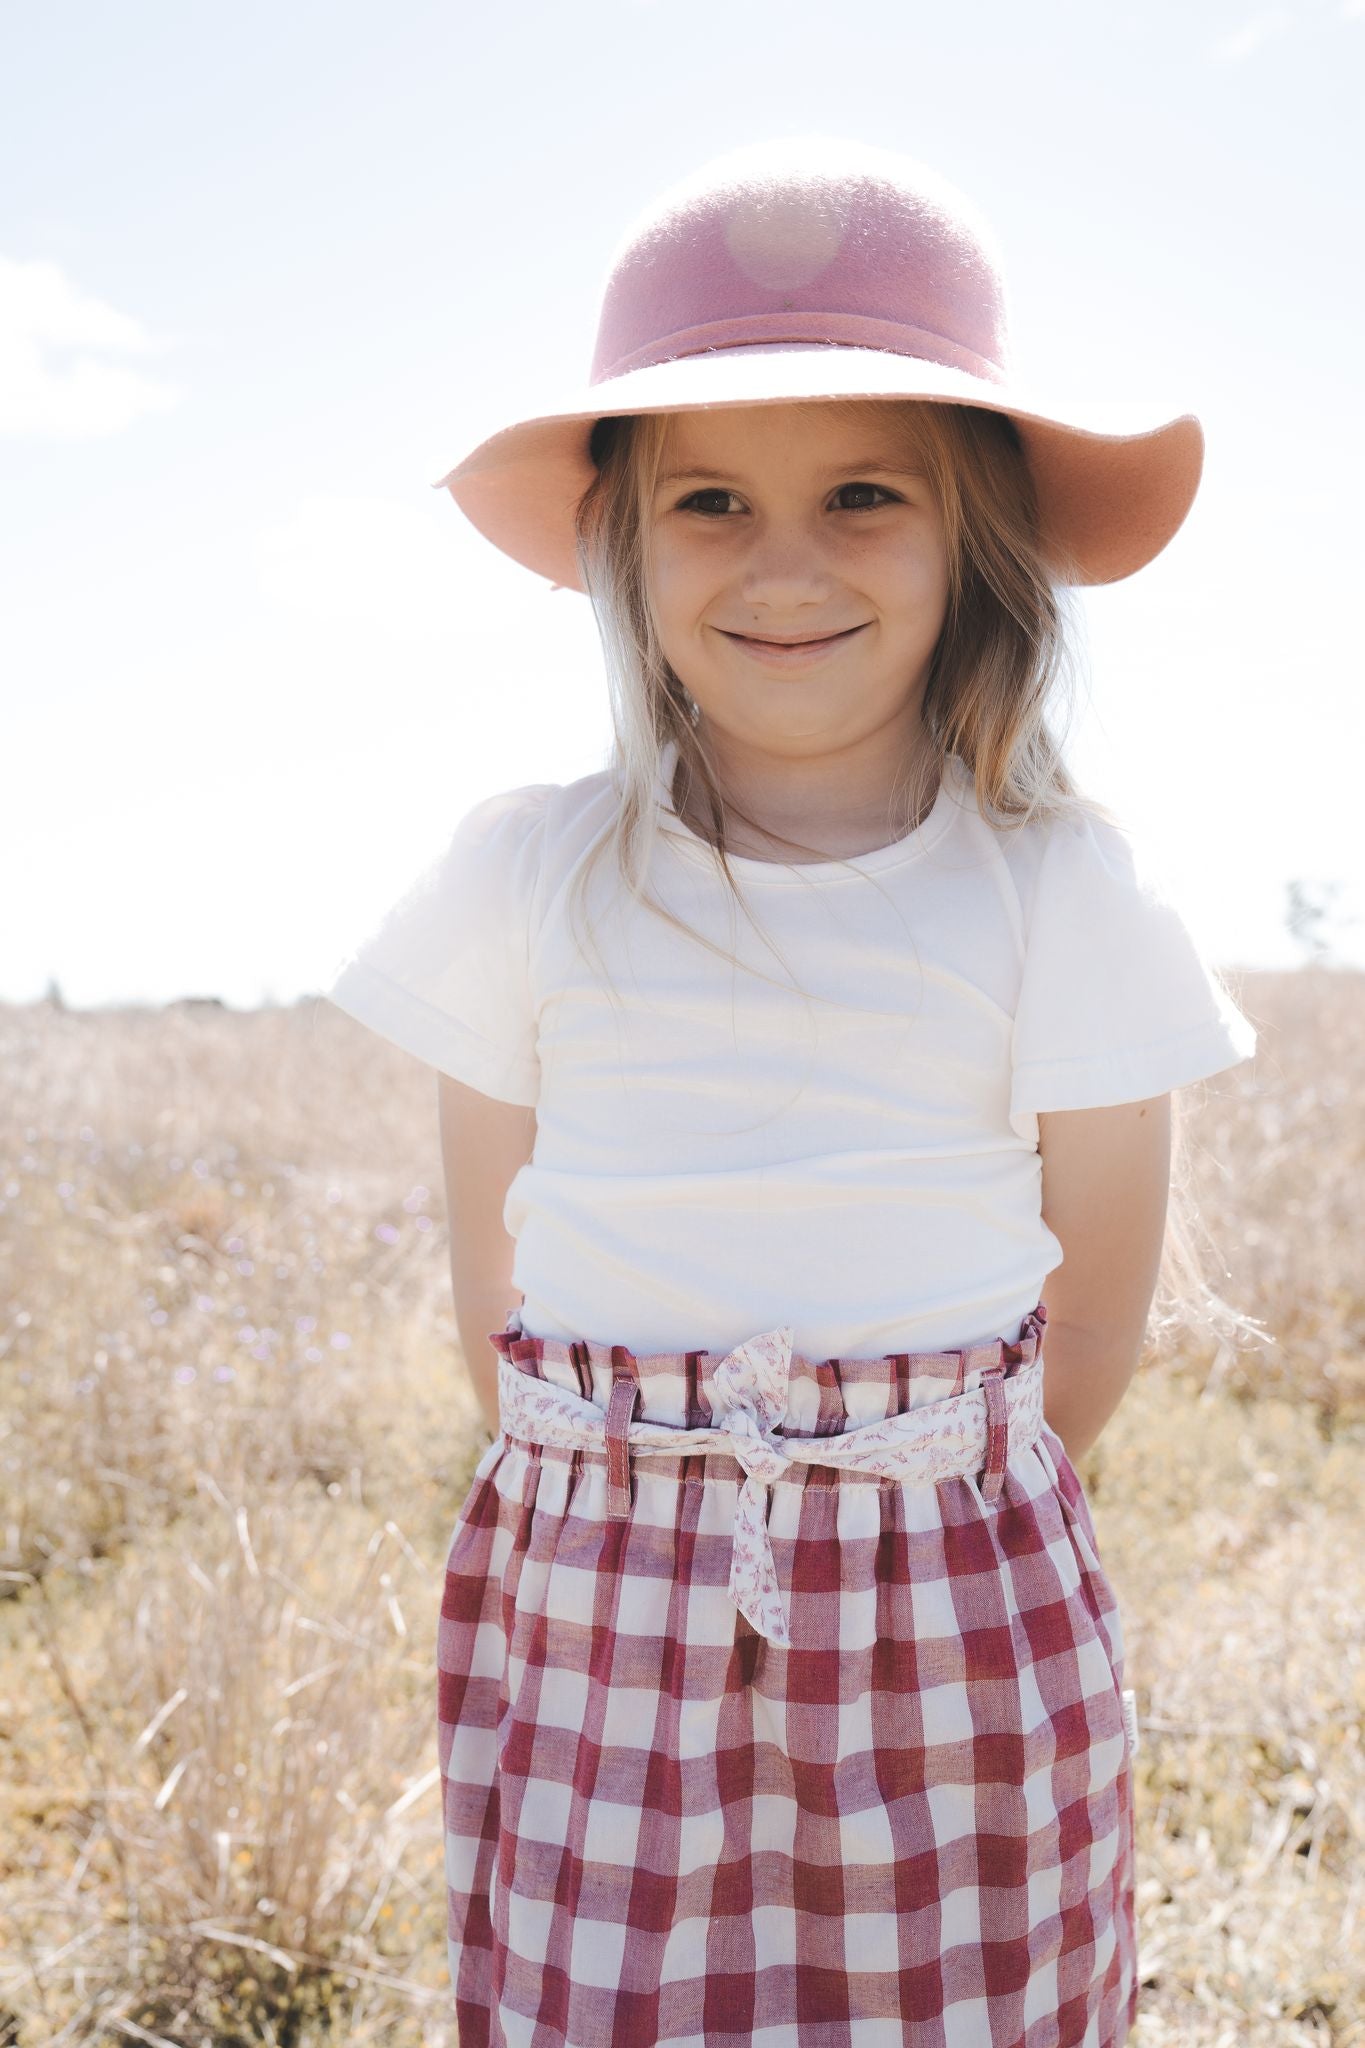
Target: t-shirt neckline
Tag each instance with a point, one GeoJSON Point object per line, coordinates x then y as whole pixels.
{"type": "Point", "coordinates": [908, 847]}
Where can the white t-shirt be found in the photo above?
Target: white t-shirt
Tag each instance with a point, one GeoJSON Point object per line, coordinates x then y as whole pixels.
{"type": "Point", "coordinates": [715, 1155]}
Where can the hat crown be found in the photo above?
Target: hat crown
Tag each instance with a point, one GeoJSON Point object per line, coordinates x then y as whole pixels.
{"type": "Point", "coordinates": [807, 241]}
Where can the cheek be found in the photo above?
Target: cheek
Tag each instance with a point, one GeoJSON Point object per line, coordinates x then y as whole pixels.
{"type": "Point", "coordinates": [679, 584]}
{"type": "Point", "coordinates": [916, 580]}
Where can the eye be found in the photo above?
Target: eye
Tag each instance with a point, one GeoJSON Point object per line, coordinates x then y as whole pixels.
{"type": "Point", "coordinates": [713, 492]}
{"type": "Point", "coordinates": [888, 495]}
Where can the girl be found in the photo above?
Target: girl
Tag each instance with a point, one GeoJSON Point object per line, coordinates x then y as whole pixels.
{"type": "Point", "coordinates": [784, 1066]}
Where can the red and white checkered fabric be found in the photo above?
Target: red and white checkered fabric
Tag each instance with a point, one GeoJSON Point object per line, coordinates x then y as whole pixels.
{"type": "Point", "coordinates": [883, 1796]}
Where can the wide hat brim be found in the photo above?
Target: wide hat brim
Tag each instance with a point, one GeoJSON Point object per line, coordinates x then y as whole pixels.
{"type": "Point", "coordinates": [1114, 481]}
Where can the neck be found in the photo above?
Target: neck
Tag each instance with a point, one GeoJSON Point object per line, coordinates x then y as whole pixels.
{"type": "Point", "coordinates": [823, 815]}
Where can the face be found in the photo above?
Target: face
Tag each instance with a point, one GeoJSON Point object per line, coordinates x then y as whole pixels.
{"type": "Point", "coordinates": [797, 524]}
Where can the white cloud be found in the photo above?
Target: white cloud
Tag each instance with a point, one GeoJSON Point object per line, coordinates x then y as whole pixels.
{"type": "Point", "coordinates": [53, 338]}
{"type": "Point", "coordinates": [1255, 30]}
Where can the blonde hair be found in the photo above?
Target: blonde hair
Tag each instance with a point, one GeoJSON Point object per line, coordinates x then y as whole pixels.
{"type": "Point", "coordinates": [1001, 676]}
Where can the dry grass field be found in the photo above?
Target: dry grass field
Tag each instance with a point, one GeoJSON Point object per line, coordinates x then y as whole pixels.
{"type": "Point", "coordinates": [235, 1433]}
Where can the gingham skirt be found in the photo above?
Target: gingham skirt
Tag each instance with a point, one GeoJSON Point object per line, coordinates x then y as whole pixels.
{"type": "Point", "coordinates": [781, 1701]}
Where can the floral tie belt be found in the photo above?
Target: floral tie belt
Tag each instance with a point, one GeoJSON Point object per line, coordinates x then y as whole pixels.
{"type": "Point", "coordinates": [964, 1433]}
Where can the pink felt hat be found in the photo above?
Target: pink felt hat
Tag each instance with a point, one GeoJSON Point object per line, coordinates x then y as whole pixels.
{"type": "Point", "coordinates": [813, 268]}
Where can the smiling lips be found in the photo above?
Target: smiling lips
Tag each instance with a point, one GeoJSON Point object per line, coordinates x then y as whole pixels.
{"type": "Point", "coordinates": [790, 653]}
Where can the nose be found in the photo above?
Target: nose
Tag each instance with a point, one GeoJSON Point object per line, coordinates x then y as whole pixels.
{"type": "Point", "coordinates": [785, 566]}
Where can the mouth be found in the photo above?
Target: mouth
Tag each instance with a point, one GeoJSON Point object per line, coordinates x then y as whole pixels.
{"type": "Point", "coordinates": [790, 650]}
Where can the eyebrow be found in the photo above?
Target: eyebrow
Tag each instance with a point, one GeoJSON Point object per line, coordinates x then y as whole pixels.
{"type": "Point", "coordinates": [862, 466]}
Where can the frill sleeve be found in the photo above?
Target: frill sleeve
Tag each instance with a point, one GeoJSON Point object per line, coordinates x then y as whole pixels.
{"type": "Point", "coordinates": [445, 972]}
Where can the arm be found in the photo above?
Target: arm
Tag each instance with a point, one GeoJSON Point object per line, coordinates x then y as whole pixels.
{"type": "Point", "coordinates": [483, 1143]}
{"type": "Point", "coordinates": [1106, 1181]}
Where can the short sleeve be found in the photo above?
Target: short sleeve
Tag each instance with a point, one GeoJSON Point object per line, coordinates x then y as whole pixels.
{"type": "Point", "coordinates": [446, 972]}
{"type": "Point", "coordinates": [1117, 1002]}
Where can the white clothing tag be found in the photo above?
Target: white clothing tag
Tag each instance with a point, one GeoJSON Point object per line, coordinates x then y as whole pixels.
{"type": "Point", "coordinates": [1130, 1721]}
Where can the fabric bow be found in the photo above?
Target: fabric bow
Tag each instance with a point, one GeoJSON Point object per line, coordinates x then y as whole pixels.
{"type": "Point", "coordinates": [750, 1386]}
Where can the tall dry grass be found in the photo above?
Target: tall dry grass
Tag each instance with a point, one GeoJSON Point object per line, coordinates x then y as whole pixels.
{"type": "Point", "coordinates": [236, 1433]}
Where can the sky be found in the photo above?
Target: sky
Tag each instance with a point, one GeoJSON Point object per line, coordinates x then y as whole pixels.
{"type": "Point", "coordinates": [268, 271]}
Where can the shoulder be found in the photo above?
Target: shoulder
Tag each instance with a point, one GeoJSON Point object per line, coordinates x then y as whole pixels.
{"type": "Point", "coordinates": [571, 818]}
{"type": "Point", "coordinates": [1085, 886]}
{"type": "Point", "coordinates": [492, 845]}
{"type": "Point", "coordinates": [513, 849]}
{"type": "Point", "coordinates": [1075, 853]}
{"type": "Point", "coordinates": [507, 816]}
{"type": "Point", "coordinates": [1069, 848]}
{"type": "Point", "coordinates": [548, 809]}
{"type": "Point", "coordinates": [1104, 866]}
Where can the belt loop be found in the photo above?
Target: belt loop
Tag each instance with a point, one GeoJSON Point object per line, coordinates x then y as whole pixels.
{"type": "Point", "coordinates": [624, 1389]}
{"type": "Point", "coordinates": [997, 1431]}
